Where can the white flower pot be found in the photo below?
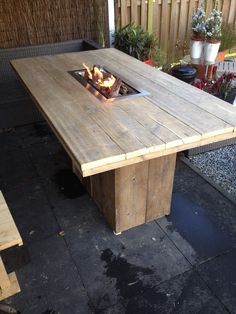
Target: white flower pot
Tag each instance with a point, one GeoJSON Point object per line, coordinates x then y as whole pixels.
{"type": "Point", "coordinates": [211, 51]}
{"type": "Point", "coordinates": [196, 48]}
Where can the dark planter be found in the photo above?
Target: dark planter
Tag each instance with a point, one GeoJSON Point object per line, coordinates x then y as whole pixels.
{"type": "Point", "coordinates": [186, 73]}
{"type": "Point", "coordinates": [231, 96]}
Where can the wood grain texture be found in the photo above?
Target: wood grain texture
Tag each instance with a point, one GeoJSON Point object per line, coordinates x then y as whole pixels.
{"type": "Point", "coordinates": [121, 195]}
{"type": "Point", "coordinates": [132, 195]}
{"type": "Point", "coordinates": [143, 17]}
{"type": "Point", "coordinates": [173, 35]}
{"type": "Point", "coordinates": [183, 21]}
{"type": "Point", "coordinates": [162, 10]}
{"type": "Point", "coordinates": [98, 135]}
{"type": "Point", "coordinates": [8, 283]}
{"type": "Point", "coordinates": [160, 185]}
{"type": "Point", "coordinates": [102, 187]}
{"type": "Point", "coordinates": [169, 151]}
{"type": "Point", "coordinates": [9, 235]}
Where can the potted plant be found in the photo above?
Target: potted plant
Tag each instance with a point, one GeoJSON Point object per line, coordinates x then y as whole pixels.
{"type": "Point", "coordinates": [223, 87]}
{"type": "Point", "coordinates": [139, 44]}
{"type": "Point", "coordinates": [228, 41]}
{"type": "Point", "coordinates": [213, 34]}
{"type": "Point", "coordinates": [199, 32]}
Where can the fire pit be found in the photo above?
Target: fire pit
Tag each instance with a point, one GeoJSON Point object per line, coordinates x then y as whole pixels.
{"type": "Point", "coordinates": [106, 85]}
{"type": "Point", "coordinates": [124, 153]}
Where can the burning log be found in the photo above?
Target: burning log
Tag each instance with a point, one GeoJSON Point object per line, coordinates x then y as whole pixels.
{"type": "Point", "coordinates": [114, 90]}
{"type": "Point", "coordinates": [104, 81]}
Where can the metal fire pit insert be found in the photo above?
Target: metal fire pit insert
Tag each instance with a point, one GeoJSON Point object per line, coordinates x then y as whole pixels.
{"type": "Point", "coordinates": [133, 91]}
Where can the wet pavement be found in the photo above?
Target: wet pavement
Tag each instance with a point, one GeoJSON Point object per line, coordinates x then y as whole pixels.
{"type": "Point", "coordinates": [71, 262]}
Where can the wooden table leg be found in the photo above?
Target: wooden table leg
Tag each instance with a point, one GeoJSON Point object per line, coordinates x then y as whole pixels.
{"type": "Point", "coordinates": [132, 195]}
{"type": "Point", "coordinates": [8, 283]}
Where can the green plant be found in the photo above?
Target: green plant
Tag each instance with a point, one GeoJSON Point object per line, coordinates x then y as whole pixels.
{"type": "Point", "coordinates": [198, 23]}
{"type": "Point", "coordinates": [181, 50]}
{"type": "Point", "coordinates": [220, 88]}
{"type": "Point", "coordinates": [158, 57]}
{"type": "Point", "coordinates": [213, 26]}
{"type": "Point", "coordinates": [139, 44]}
{"type": "Point", "coordinates": [228, 37]}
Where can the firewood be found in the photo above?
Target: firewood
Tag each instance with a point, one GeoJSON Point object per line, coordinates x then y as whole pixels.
{"type": "Point", "coordinates": [115, 89]}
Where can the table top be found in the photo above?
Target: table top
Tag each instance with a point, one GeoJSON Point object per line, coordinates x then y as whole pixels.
{"type": "Point", "coordinates": [9, 235]}
{"type": "Point", "coordinates": [102, 136]}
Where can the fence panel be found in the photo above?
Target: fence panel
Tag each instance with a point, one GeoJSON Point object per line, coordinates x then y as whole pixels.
{"type": "Point", "coordinates": [169, 20]}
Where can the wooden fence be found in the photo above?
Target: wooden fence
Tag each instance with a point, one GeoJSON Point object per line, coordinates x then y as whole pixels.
{"type": "Point", "coordinates": [169, 20]}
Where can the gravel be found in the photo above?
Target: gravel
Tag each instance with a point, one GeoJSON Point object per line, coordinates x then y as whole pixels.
{"type": "Point", "coordinates": [220, 166]}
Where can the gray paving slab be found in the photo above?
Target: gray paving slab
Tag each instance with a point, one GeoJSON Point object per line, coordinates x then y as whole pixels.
{"type": "Point", "coordinates": [202, 223]}
{"type": "Point", "coordinates": [185, 293]}
{"type": "Point", "coordinates": [54, 168]}
{"type": "Point", "coordinates": [34, 134]}
{"type": "Point", "coordinates": [221, 211]}
{"type": "Point", "coordinates": [69, 212]}
{"type": "Point", "coordinates": [10, 140]}
{"type": "Point", "coordinates": [31, 211]}
{"type": "Point", "coordinates": [220, 276]}
{"type": "Point", "coordinates": [88, 269]}
{"type": "Point", "coordinates": [50, 281]}
{"type": "Point", "coordinates": [192, 230]}
{"type": "Point", "coordinates": [131, 262]}
{"type": "Point", "coordinates": [15, 168]}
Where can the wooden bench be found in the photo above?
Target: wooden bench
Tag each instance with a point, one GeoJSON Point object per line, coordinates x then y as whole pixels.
{"type": "Point", "coordinates": [9, 236]}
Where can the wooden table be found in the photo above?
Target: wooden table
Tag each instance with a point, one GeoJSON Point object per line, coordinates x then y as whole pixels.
{"type": "Point", "coordinates": [125, 152]}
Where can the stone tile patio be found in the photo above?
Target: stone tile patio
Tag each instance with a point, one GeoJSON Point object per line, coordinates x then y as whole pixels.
{"type": "Point", "coordinates": [71, 262]}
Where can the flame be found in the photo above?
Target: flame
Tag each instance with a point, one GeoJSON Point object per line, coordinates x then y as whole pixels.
{"type": "Point", "coordinates": [88, 71]}
{"type": "Point", "coordinates": [109, 82]}
{"type": "Point", "coordinates": [97, 76]}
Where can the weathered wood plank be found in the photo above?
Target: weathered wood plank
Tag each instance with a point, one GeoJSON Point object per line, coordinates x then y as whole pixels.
{"type": "Point", "coordinates": [168, 151]}
{"type": "Point", "coordinates": [131, 194]}
{"type": "Point", "coordinates": [123, 13]}
{"type": "Point", "coordinates": [186, 110]}
{"type": "Point", "coordinates": [9, 234]}
{"type": "Point", "coordinates": [144, 14]}
{"type": "Point", "coordinates": [81, 133]}
{"type": "Point", "coordinates": [160, 185]}
{"type": "Point", "coordinates": [183, 20]}
{"type": "Point", "coordinates": [99, 135]}
{"type": "Point", "coordinates": [173, 27]}
{"type": "Point", "coordinates": [232, 12]}
{"type": "Point", "coordinates": [104, 193]}
{"type": "Point", "coordinates": [134, 12]}
{"type": "Point", "coordinates": [205, 101]}
{"type": "Point", "coordinates": [164, 26]}
{"type": "Point", "coordinates": [126, 132]}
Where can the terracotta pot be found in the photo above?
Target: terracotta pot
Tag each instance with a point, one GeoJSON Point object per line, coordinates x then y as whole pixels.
{"type": "Point", "coordinates": [221, 55]}
{"type": "Point", "coordinates": [149, 62]}
{"type": "Point", "coordinates": [196, 48]}
{"type": "Point", "coordinates": [210, 51]}
{"type": "Point", "coordinates": [203, 74]}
